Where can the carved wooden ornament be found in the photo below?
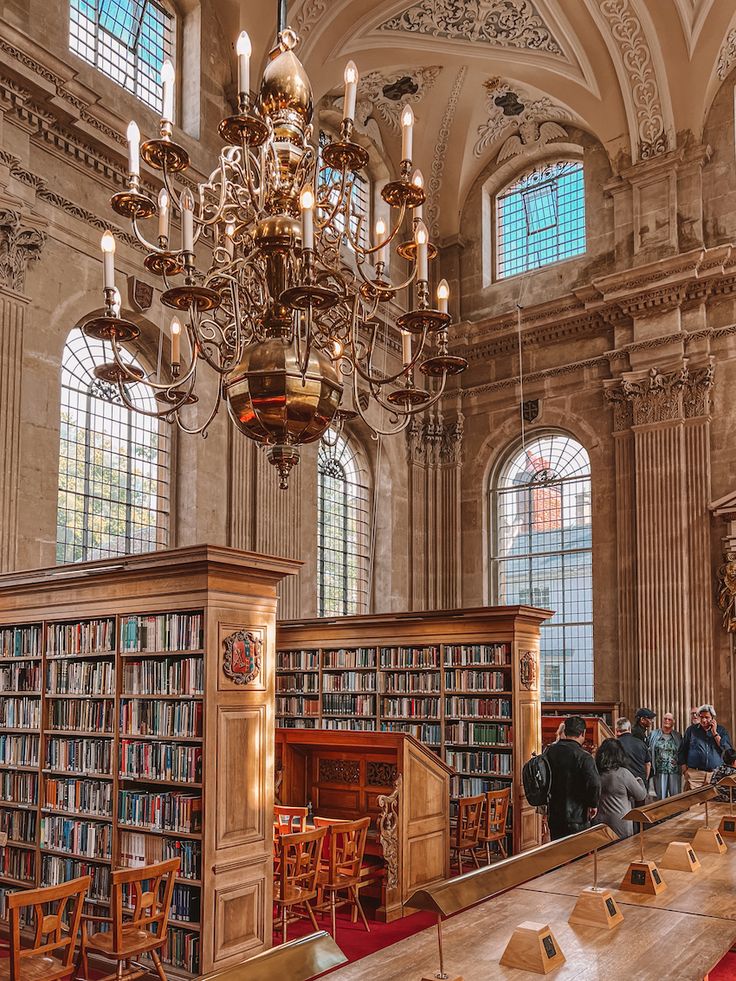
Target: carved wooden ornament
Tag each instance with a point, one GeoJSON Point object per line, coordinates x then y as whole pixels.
{"type": "Point", "coordinates": [528, 670]}
{"type": "Point", "coordinates": [243, 654]}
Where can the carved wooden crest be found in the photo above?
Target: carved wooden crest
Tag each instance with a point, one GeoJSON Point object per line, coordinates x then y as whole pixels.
{"type": "Point", "coordinates": [140, 294]}
{"type": "Point", "coordinates": [528, 670]}
{"type": "Point", "coordinates": [242, 661]}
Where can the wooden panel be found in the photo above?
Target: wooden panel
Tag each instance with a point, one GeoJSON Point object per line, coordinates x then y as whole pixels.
{"type": "Point", "coordinates": [425, 859]}
{"type": "Point", "coordinates": [239, 918]}
{"type": "Point", "coordinates": [241, 742]}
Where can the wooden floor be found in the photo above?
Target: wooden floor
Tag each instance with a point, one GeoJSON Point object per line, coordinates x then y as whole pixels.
{"type": "Point", "coordinates": [679, 935]}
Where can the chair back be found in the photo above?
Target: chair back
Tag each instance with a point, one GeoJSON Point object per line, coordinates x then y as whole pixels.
{"type": "Point", "coordinates": [345, 846]}
{"type": "Point", "coordinates": [299, 856]}
{"type": "Point", "coordinates": [57, 912]}
{"type": "Point", "coordinates": [289, 820]}
{"type": "Point", "coordinates": [495, 813]}
{"type": "Point", "coordinates": [469, 814]}
{"type": "Point", "coordinates": [148, 891]}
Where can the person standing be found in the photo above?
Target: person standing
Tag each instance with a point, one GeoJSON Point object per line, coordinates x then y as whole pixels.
{"type": "Point", "coordinates": [643, 722]}
{"type": "Point", "coordinates": [664, 747]}
{"type": "Point", "coordinates": [638, 758]}
{"type": "Point", "coordinates": [702, 748]}
{"type": "Point", "coordinates": [576, 785]}
{"type": "Point", "coordinates": [620, 789]}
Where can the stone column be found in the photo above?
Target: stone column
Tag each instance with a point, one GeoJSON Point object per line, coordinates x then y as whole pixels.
{"type": "Point", "coordinates": [19, 245]}
{"type": "Point", "coordinates": [671, 632]}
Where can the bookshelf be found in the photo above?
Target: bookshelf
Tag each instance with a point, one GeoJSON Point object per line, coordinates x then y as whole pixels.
{"type": "Point", "coordinates": [463, 682]}
{"type": "Point", "coordinates": [114, 677]}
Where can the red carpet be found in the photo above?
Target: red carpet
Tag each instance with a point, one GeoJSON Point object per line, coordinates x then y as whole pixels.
{"type": "Point", "coordinates": [726, 970]}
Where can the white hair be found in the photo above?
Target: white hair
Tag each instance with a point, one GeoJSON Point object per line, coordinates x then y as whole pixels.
{"type": "Point", "coordinates": [623, 725]}
{"type": "Point", "coordinates": [707, 708]}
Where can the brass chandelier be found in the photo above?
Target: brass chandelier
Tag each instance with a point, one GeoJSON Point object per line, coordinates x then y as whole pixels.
{"type": "Point", "coordinates": [289, 312]}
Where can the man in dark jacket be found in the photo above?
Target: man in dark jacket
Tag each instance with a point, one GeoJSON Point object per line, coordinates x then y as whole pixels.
{"type": "Point", "coordinates": [639, 760]}
{"type": "Point", "coordinates": [701, 749]}
{"type": "Point", "coordinates": [643, 722]}
{"type": "Point", "coordinates": [576, 785]}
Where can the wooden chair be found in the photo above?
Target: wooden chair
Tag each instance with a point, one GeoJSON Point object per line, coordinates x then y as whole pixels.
{"type": "Point", "coordinates": [296, 882]}
{"type": "Point", "coordinates": [342, 870]}
{"type": "Point", "coordinates": [493, 823]}
{"type": "Point", "coordinates": [467, 828]}
{"type": "Point", "coordinates": [290, 820]}
{"type": "Point", "coordinates": [55, 934]}
{"type": "Point", "coordinates": [137, 931]}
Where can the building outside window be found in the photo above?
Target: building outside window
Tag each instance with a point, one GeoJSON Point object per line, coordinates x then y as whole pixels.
{"type": "Point", "coordinates": [542, 555]}
{"type": "Point", "coordinates": [113, 463]}
{"type": "Point", "coordinates": [128, 40]}
{"type": "Point", "coordinates": [343, 528]}
{"type": "Point", "coordinates": [540, 218]}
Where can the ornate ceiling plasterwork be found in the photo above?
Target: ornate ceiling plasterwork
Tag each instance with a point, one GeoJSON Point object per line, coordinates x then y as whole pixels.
{"type": "Point", "coordinates": [638, 68]}
{"type": "Point", "coordinates": [693, 14]}
{"type": "Point", "coordinates": [440, 154]}
{"type": "Point", "coordinates": [727, 57]}
{"type": "Point", "coordinates": [307, 16]}
{"type": "Point", "coordinates": [502, 23]}
{"type": "Point", "coordinates": [531, 119]}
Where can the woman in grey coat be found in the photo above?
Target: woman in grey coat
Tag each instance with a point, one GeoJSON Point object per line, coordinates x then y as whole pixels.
{"type": "Point", "coordinates": [620, 789]}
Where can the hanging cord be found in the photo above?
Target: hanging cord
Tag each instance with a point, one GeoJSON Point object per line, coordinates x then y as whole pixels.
{"type": "Point", "coordinates": [519, 309]}
{"type": "Point", "coordinates": [377, 478]}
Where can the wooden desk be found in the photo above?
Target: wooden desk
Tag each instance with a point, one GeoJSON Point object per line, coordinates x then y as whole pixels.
{"type": "Point", "coordinates": [689, 927]}
{"type": "Point", "coordinates": [636, 950]}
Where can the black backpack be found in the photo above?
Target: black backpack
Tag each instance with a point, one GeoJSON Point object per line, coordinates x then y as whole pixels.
{"type": "Point", "coordinates": [536, 775]}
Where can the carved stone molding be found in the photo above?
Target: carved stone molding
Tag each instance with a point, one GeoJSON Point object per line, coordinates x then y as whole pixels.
{"type": "Point", "coordinates": [661, 396]}
{"type": "Point", "coordinates": [434, 443]}
{"type": "Point", "coordinates": [19, 246]}
{"type": "Point", "coordinates": [696, 393]}
{"type": "Point", "coordinates": [508, 108]}
{"type": "Point", "coordinates": [628, 33]}
{"type": "Point", "coordinates": [623, 415]}
{"type": "Point", "coordinates": [727, 57]}
{"type": "Point", "coordinates": [434, 186]}
{"type": "Point", "coordinates": [502, 23]}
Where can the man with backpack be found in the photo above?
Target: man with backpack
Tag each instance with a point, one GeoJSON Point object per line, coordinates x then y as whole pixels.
{"type": "Point", "coordinates": [575, 786]}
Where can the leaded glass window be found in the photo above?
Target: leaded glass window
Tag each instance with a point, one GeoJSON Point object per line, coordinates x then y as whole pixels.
{"type": "Point", "coordinates": [128, 40]}
{"type": "Point", "coordinates": [360, 196]}
{"type": "Point", "coordinates": [113, 463]}
{"type": "Point", "coordinates": [542, 555]}
{"type": "Point", "coordinates": [343, 528]}
{"type": "Point", "coordinates": [540, 218]}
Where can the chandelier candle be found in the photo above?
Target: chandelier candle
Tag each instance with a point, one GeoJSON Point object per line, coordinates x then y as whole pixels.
{"type": "Point", "coordinates": [351, 90]}
{"type": "Point", "coordinates": [175, 344]}
{"type": "Point", "coordinates": [167, 82]}
{"type": "Point", "coordinates": [421, 237]}
{"type": "Point", "coordinates": [134, 145]}
{"type": "Point", "coordinates": [229, 244]}
{"type": "Point", "coordinates": [443, 295]}
{"type": "Point", "coordinates": [163, 214]}
{"type": "Point", "coordinates": [382, 255]}
{"type": "Point", "coordinates": [243, 48]}
{"type": "Point", "coordinates": [306, 202]}
{"type": "Point", "coordinates": [187, 221]}
{"type": "Point", "coordinates": [407, 132]}
{"type": "Point", "coordinates": [406, 347]}
{"type": "Point", "coordinates": [108, 253]}
{"type": "Point", "coordinates": [417, 179]}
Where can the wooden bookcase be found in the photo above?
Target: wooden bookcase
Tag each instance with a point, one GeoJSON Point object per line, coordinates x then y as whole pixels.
{"type": "Point", "coordinates": [464, 682]}
{"type": "Point", "coordinates": [136, 723]}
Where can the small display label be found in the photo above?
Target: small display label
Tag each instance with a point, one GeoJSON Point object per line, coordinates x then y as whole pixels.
{"type": "Point", "coordinates": [611, 906]}
{"type": "Point", "coordinates": [718, 838]}
{"type": "Point", "coordinates": [638, 878]}
{"type": "Point", "coordinates": [549, 946]}
{"type": "Point", "coordinates": [691, 855]}
{"type": "Point", "coordinates": [656, 876]}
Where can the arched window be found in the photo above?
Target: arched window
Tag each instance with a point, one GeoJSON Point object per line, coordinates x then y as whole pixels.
{"type": "Point", "coordinates": [540, 218]}
{"type": "Point", "coordinates": [542, 555]}
{"type": "Point", "coordinates": [343, 528]}
{"type": "Point", "coordinates": [113, 463]}
{"type": "Point", "coordinates": [128, 40]}
{"type": "Point", "coordinates": [360, 196]}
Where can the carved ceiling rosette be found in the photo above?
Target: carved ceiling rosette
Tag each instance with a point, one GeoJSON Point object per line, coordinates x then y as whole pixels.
{"type": "Point", "coordinates": [19, 247]}
{"type": "Point", "coordinates": [504, 23]}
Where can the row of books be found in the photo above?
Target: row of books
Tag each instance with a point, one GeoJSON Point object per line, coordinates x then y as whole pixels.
{"type": "Point", "coordinates": [160, 761]}
{"type": "Point", "coordinates": [83, 637]}
{"type": "Point", "coordinates": [185, 903]}
{"type": "Point", "coordinates": [162, 632]}
{"type": "Point", "coordinates": [80, 678]}
{"type": "Point", "coordinates": [20, 713]}
{"type": "Point", "coordinates": [298, 723]}
{"type": "Point", "coordinates": [18, 863]}
{"type": "Point", "coordinates": [427, 732]}
{"type": "Point", "coordinates": [471, 679]}
{"type": "Point", "coordinates": [19, 787]}
{"type": "Point", "coordinates": [151, 718]}
{"type": "Point", "coordinates": [357, 725]}
{"type": "Point", "coordinates": [481, 762]}
{"type": "Point", "coordinates": [347, 681]}
{"type": "Point", "coordinates": [407, 708]}
{"type": "Point", "coordinates": [20, 677]}
{"type": "Point", "coordinates": [182, 950]}
{"type": "Point", "coordinates": [478, 654]}
{"type": "Point", "coordinates": [411, 681]}
{"type": "Point", "coordinates": [496, 708]}
{"type": "Point", "coordinates": [410, 657]}
{"type": "Point", "coordinates": [80, 755]}
{"type": "Point", "coordinates": [18, 750]}
{"type": "Point", "coordinates": [18, 825]}
{"type": "Point", "coordinates": [297, 683]}
{"type": "Point", "coordinates": [166, 676]}
{"type": "Point", "coordinates": [79, 796]}
{"type": "Point", "coordinates": [297, 661]}
{"type": "Point", "coordinates": [478, 733]}
{"type": "Point", "coordinates": [138, 849]}
{"type": "Point", "coordinates": [343, 704]}
{"type": "Point", "coordinates": [56, 869]}
{"type": "Point", "coordinates": [296, 705]}
{"type": "Point", "coordinates": [361, 657]}
{"type": "Point", "coordinates": [471, 786]}
{"type": "Point", "coordinates": [83, 713]}
{"type": "Point", "coordinates": [93, 839]}
{"type": "Point", "coordinates": [20, 641]}
{"type": "Point", "coordinates": [170, 811]}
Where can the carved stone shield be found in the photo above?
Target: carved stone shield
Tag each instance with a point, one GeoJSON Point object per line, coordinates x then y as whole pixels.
{"type": "Point", "coordinates": [140, 294]}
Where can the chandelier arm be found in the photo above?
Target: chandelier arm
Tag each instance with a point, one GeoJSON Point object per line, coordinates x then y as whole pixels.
{"type": "Point", "coordinates": [391, 288]}
{"type": "Point", "coordinates": [408, 413]}
{"type": "Point", "coordinates": [376, 428]}
{"type": "Point", "coordinates": [155, 414]}
{"type": "Point", "coordinates": [363, 251]}
{"type": "Point", "coordinates": [143, 240]}
{"type": "Point", "coordinates": [156, 386]}
{"type": "Point", "coordinates": [322, 204]}
{"type": "Point", "coordinates": [201, 430]}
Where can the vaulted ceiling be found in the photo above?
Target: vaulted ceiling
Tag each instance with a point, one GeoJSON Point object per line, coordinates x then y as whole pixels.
{"type": "Point", "coordinates": [485, 76]}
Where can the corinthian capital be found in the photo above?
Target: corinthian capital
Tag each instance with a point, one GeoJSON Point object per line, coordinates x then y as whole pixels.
{"type": "Point", "coordinates": [18, 247]}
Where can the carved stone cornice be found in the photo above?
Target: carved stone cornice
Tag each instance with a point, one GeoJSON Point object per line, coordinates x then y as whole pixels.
{"type": "Point", "coordinates": [623, 416]}
{"type": "Point", "coordinates": [661, 396]}
{"type": "Point", "coordinates": [20, 245]}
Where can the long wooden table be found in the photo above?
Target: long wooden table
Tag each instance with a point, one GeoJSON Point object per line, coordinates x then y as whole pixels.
{"type": "Point", "coordinates": [679, 935]}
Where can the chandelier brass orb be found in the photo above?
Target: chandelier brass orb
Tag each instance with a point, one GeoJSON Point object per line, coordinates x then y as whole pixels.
{"type": "Point", "coordinates": [276, 285]}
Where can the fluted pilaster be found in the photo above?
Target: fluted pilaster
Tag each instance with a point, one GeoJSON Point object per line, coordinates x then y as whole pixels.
{"type": "Point", "coordinates": [12, 314]}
